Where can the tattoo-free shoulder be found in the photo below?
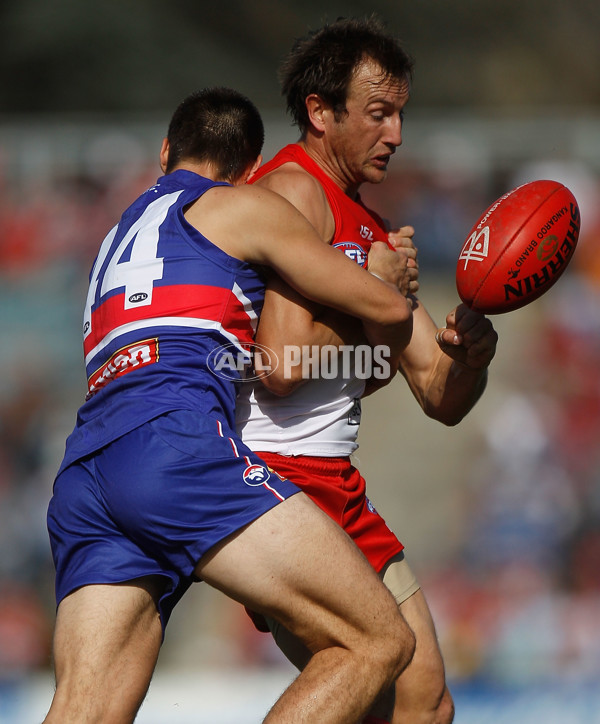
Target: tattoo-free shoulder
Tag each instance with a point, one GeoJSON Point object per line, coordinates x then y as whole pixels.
{"type": "Point", "coordinates": [302, 190]}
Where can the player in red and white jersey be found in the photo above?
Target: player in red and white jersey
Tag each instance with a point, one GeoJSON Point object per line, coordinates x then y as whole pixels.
{"type": "Point", "coordinates": [156, 490]}
{"type": "Point", "coordinates": [323, 419]}
{"type": "Point", "coordinates": [346, 87]}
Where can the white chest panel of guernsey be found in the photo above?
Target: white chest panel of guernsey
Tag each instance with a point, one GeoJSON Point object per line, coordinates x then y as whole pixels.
{"type": "Point", "coordinates": [320, 418]}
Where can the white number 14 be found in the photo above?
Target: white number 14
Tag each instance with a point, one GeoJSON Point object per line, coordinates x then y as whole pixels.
{"type": "Point", "coordinates": [143, 268]}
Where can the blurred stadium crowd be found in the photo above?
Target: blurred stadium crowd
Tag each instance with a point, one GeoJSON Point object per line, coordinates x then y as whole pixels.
{"type": "Point", "coordinates": [519, 600]}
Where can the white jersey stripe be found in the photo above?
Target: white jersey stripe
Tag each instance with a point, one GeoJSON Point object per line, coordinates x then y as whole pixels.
{"type": "Point", "coordinates": [154, 322]}
{"type": "Point", "coordinates": [247, 305]}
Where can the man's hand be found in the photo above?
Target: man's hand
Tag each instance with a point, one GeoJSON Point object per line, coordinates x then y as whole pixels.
{"type": "Point", "coordinates": [402, 240]}
{"type": "Point", "coordinates": [398, 268]}
{"type": "Point", "coordinates": [468, 338]}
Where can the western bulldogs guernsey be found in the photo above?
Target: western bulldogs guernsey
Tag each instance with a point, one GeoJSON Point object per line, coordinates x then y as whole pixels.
{"type": "Point", "coordinates": [162, 297]}
{"type": "Point", "coordinates": [321, 417]}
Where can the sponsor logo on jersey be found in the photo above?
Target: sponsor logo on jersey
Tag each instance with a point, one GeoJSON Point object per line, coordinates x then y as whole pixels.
{"type": "Point", "coordinates": [123, 361]}
{"type": "Point", "coordinates": [256, 475]}
{"type": "Point", "coordinates": [353, 250]}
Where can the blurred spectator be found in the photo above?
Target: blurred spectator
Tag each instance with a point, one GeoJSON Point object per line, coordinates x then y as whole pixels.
{"type": "Point", "coordinates": [25, 631]}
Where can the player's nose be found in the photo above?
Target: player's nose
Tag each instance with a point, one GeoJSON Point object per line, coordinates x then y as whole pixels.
{"type": "Point", "coordinates": [394, 131]}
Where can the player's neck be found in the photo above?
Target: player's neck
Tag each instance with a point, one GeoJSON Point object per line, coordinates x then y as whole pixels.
{"type": "Point", "coordinates": [202, 168]}
{"type": "Point", "coordinates": [329, 164]}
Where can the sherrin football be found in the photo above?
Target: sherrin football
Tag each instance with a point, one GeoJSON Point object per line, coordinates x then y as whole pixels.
{"type": "Point", "coordinates": [518, 248]}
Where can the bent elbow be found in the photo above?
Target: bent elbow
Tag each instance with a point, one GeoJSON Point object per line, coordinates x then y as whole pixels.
{"type": "Point", "coordinates": [401, 313]}
{"type": "Point", "coordinates": [448, 417]}
{"type": "Point", "coordinates": [281, 385]}
{"type": "Point", "coordinates": [450, 420]}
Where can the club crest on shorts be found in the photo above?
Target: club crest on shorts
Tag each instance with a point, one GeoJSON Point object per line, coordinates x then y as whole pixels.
{"type": "Point", "coordinates": [255, 475]}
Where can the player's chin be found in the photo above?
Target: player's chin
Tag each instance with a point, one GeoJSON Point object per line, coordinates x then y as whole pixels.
{"type": "Point", "coordinates": [376, 174]}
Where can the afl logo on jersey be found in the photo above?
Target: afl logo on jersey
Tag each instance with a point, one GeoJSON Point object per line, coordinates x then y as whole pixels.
{"type": "Point", "coordinates": [353, 250]}
{"type": "Point", "coordinates": [256, 475]}
{"type": "Point", "coordinates": [138, 297]}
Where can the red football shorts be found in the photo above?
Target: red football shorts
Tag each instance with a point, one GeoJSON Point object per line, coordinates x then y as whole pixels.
{"type": "Point", "coordinates": [338, 488]}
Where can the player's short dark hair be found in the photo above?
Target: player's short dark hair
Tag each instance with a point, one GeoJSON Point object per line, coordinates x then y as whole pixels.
{"type": "Point", "coordinates": [218, 125]}
{"type": "Point", "coordinates": [324, 62]}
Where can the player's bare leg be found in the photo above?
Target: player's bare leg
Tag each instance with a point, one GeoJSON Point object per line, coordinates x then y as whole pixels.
{"type": "Point", "coordinates": [298, 566]}
{"type": "Point", "coordinates": [106, 644]}
{"type": "Point", "coordinates": [422, 696]}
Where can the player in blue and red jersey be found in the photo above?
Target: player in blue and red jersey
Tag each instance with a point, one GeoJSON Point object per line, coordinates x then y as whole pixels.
{"type": "Point", "coordinates": [156, 490]}
{"type": "Point", "coordinates": [346, 87]}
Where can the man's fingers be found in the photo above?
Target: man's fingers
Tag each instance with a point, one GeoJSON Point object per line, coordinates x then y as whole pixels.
{"type": "Point", "coordinates": [446, 336]}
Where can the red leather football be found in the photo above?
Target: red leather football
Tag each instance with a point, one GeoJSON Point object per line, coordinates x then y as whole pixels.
{"type": "Point", "coordinates": [518, 247]}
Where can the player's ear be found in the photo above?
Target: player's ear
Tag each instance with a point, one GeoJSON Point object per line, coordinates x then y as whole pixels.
{"type": "Point", "coordinates": [254, 168]}
{"type": "Point", "coordinates": [164, 155]}
{"type": "Point", "coordinates": [317, 110]}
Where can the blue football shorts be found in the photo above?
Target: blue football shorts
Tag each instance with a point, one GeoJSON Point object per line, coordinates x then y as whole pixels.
{"type": "Point", "coordinates": [154, 501]}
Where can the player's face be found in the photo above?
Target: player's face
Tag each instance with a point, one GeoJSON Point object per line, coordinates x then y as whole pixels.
{"type": "Point", "coordinates": [365, 138]}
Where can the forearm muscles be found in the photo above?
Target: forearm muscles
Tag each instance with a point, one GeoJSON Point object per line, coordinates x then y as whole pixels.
{"type": "Point", "coordinates": [451, 390]}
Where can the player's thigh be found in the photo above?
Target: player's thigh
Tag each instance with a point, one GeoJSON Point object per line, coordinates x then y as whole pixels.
{"type": "Point", "coordinates": [399, 578]}
{"type": "Point", "coordinates": [296, 565]}
{"type": "Point", "coordinates": [109, 634]}
{"type": "Point", "coordinates": [402, 584]}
